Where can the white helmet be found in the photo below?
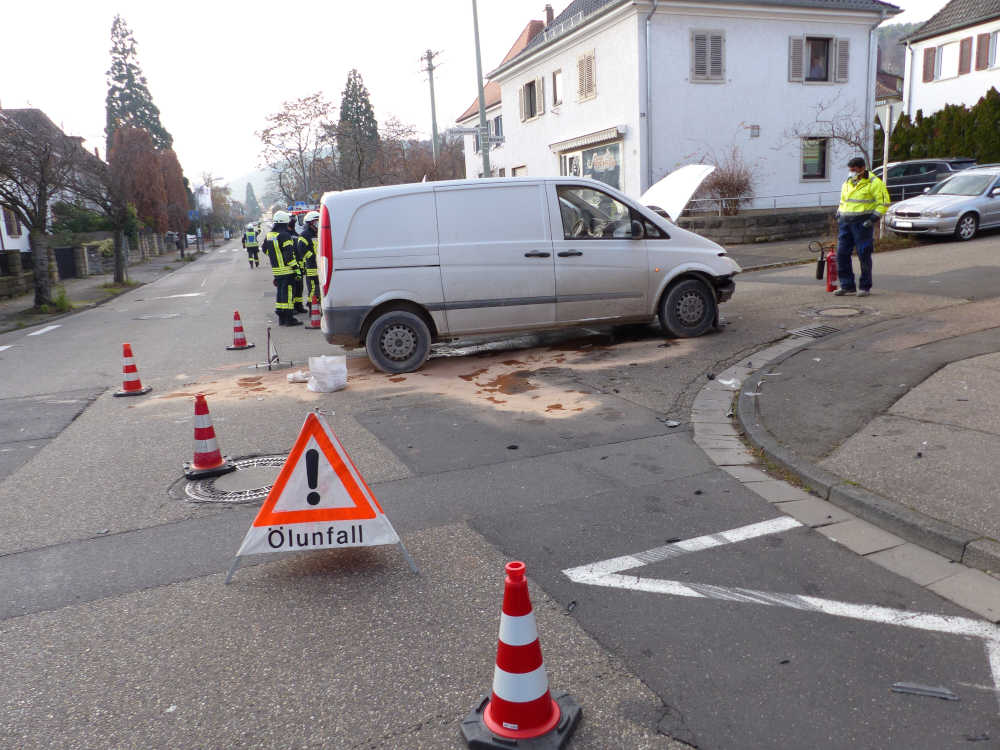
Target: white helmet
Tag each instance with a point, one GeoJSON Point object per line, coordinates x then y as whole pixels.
{"type": "Point", "coordinates": [311, 216]}
{"type": "Point", "coordinates": [280, 217]}
{"type": "Point", "coordinates": [249, 226]}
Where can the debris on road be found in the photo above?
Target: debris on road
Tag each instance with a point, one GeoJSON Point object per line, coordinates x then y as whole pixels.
{"type": "Point", "coordinates": [299, 376]}
{"type": "Point", "coordinates": [930, 691]}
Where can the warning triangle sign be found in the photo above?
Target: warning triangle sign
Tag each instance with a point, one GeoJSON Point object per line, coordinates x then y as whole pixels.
{"type": "Point", "coordinates": [318, 501]}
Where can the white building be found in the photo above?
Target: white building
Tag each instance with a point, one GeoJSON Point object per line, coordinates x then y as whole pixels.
{"type": "Point", "coordinates": [952, 59]}
{"type": "Point", "coordinates": [628, 90]}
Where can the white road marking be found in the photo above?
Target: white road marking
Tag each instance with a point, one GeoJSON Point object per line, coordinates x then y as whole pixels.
{"type": "Point", "coordinates": [203, 281]}
{"type": "Point", "coordinates": [45, 330]}
{"type": "Point", "coordinates": [175, 296]}
{"type": "Point", "coordinates": [5, 347]}
{"type": "Point", "coordinates": [608, 573]}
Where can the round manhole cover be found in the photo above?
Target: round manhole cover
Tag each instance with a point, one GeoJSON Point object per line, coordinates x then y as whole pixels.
{"type": "Point", "coordinates": [250, 482]}
{"type": "Point", "coordinates": [839, 312]}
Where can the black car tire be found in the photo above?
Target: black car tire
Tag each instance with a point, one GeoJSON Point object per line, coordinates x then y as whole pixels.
{"type": "Point", "coordinates": [398, 341]}
{"type": "Point", "coordinates": [967, 226]}
{"type": "Point", "coordinates": [688, 309]}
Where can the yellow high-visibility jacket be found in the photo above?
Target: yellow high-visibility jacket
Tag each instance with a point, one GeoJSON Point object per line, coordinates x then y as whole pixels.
{"type": "Point", "coordinates": [866, 196]}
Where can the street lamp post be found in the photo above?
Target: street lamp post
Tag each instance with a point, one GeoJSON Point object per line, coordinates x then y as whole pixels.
{"type": "Point", "coordinates": [484, 139]}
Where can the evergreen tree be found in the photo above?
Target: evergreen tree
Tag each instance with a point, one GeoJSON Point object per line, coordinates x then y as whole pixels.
{"type": "Point", "coordinates": [357, 133]}
{"type": "Point", "coordinates": [129, 103]}
{"type": "Point", "coordinates": [251, 204]}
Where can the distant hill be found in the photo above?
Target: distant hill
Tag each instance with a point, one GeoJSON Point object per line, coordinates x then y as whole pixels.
{"type": "Point", "coordinates": [894, 53]}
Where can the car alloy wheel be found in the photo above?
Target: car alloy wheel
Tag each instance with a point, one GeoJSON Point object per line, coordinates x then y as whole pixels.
{"type": "Point", "coordinates": [967, 226]}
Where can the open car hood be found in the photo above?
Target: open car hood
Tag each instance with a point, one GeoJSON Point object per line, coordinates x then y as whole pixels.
{"type": "Point", "coordinates": [672, 193]}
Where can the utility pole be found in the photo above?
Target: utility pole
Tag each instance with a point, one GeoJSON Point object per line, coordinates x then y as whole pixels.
{"type": "Point", "coordinates": [429, 57]}
{"type": "Point", "coordinates": [484, 133]}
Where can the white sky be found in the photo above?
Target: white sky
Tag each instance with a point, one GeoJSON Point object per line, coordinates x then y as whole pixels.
{"type": "Point", "coordinates": [217, 68]}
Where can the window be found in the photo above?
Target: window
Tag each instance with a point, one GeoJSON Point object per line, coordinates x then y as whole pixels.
{"type": "Point", "coordinates": [986, 50]}
{"type": "Point", "coordinates": [12, 223]}
{"type": "Point", "coordinates": [498, 126]}
{"type": "Point", "coordinates": [965, 56]}
{"type": "Point", "coordinates": [586, 77]}
{"type": "Point", "coordinates": [603, 163]}
{"type": "Point", "coordinates": [814, 158]}
{"type": "Point", "coordinates": [589, 214]}
{"type": "Point", "coordinates": [521, 171]}
{"type": "Point", "coordinates": [755, 131]}
{"type": "Point", "coordinates": [557, 88]}
{"type": "Point", "coordinates": [707, 56]}
{"type": "Point", "coordinates": [814, 59]}
{"type": "Point", "coordinates": [942, 62]}
{"type": "Point", "coordinates": [531, 99]}
{"type": "Point", "coordinates": [502, 173]}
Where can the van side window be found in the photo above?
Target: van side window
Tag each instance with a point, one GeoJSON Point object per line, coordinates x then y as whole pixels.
{"type": "Point", "coordinates": [589, 214]}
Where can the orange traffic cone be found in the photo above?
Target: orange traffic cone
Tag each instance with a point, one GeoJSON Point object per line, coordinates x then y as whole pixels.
{"type": "Point", "coordinates": [208, 460]}
{"type": "Point", "coordinates": [239, 337]}
{"type": "Point", "coordinates": [131, 385]}
{"type": "Point", "coordinates": [314, 321]}
{"type": "Point", "coordinates": [521, 707]}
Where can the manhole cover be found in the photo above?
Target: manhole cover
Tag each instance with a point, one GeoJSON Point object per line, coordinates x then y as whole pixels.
{"type": "Point", "coordinates": [838, 312]}
{"type": "Point", "coordinates": [250, 482]}
{"type": "Point", "coordinates": [161, 316]}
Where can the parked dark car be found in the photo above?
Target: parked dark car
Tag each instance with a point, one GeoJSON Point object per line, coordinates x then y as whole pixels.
{"type": "Point", "coordinates": [910, 178]}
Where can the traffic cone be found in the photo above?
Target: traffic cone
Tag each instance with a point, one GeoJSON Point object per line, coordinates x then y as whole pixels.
{"type": "Point", "coordinates": [131, 385]}
{"type": "Point", "coordinates": [314, 321]}
{"type": "Point", "coordinates": [208, 460]}
{"type": "Point", "coordinates": [521, 706]}
{"type": "Point", "coordinates": [239, 338]}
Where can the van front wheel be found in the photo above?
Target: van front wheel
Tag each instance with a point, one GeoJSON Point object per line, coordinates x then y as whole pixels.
{"type": "Point", "coordinates": [398, 341]}
{"type": "Point", "coordinates": [688, 309]}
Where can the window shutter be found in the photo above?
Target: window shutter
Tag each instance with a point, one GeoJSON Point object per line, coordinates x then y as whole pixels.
{"type": "Point", "coordinates": [843, 63]}
{"type": "Point", "coordinates": [699, 56]}
{"type": "Point", "coordinates": [796, 54]}
{"type": "Point", "coordinates": [539, 95]}
{"type": "Point", "coordinates": [581, 77]}
{"type": "Point", "coordinates": [982, 51]}
{"type": "Point", "coordinates": [716, 56]}
{"type": "Point", "coordinates": [520, 101]}
{"type": "Point", "coordinates": [930, 55]}
{"type": "Point", "coordinates": [965, 56]}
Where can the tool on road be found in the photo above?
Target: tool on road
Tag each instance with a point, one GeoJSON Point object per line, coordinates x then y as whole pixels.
{"type": "Point", "coordinates": [131, 385]}
{"type": "Point", "coordinates": [314, 321]}
{"type": "Point", "coordinates": [239, 337]}
{"type": "Point", "coordinates": [521, 706]}
{"type": "Point", "coordinates": [272, 354]}
{"type": "Point", "coordinates": [318, 501]}
{"type": "Point", "coordinates": [208, 459]}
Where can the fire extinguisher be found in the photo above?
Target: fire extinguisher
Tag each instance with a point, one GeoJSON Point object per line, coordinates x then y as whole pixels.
{"type": "Point", "coordinates": [831, 271]}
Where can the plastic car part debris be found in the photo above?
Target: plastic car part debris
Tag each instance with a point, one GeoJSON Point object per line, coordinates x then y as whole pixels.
{"type": "Point", "coordinates": [929, 690]}
{"type": "Point", "coordinates": [729, 382]}
{"type": "Point", "coordinates": [299, 376]}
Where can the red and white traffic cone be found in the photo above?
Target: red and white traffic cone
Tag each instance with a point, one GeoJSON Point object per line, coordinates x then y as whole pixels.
{"type": "Point", "coordinates": [131, 385]}
{"type": "Point", "coordinates": [521, 706]}
{"type": "Point", "coordinates": [208, 459]}
{"type": "Point", "coordinates": [314, 319]}
{"type": "Point", "coordinates": [239, 337]}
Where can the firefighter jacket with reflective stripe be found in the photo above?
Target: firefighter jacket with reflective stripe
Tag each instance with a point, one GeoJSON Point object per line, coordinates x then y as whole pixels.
{"type": "Point", "coordinates": [250, 238]}
{"type": "Point", "coordinates": [307, 249]}
{"type": "Point", "coordinates": [863, 197]}
{"type": "Point", "coordinates": [280, 249]}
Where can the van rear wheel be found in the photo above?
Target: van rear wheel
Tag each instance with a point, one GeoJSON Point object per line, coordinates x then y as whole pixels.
{"type": "Point", "coordinates": [688, 309]}
{"type": "Point", "coordinates": [398, 341]}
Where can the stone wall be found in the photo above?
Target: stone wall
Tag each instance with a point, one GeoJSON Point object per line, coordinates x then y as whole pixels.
{"type": "Point", "coordinates": [762, 226]}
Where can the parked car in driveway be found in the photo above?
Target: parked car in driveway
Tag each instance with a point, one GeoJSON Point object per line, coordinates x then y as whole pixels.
{"type": "Point", "coordinates": [909, 178]}
{"type": "Point", "coordinates": [960, 206]}
{"type": "Point", "coordinates": [402, 266]}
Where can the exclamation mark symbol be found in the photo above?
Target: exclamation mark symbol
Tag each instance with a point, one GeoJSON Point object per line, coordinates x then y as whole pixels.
{"type": "Point", "coordinates": [312, 474]}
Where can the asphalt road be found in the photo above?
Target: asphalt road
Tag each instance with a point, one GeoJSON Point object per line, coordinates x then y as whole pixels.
{"type": "Point", "coordinates": [116, 629]}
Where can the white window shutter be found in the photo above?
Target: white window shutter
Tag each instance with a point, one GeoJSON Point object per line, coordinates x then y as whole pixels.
{"type": "Point", "coordinates": [796, 54]}
{"type": "Point", "coordinates": [716, 56]}
{"type": "Point", "coordinates": [581, 77]}
{"type": "Point", "coordinates": [520, 101]}
{"type": "Point", "coordinates": [591, 75]}
{"type": "Point", "coordinates": [843, 62]}
{"type": "Point", "coordinates": [699, 56]}
{"type": "Point", "coordinates": [539, 95]}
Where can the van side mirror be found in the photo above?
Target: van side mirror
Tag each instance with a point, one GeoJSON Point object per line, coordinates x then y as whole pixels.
{"type": "Point", "coordinates": [995, 192]}
{"type": "Point", "coordinates": [638, 232]}
{"type": "Point", "coordinates": [927, 190]}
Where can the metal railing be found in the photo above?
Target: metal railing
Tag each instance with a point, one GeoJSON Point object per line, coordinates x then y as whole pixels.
{"type": "Point", "coordinates": [718, 206]}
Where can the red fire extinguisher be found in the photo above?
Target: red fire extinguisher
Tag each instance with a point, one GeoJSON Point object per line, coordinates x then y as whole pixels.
{"type": "Point", "coordinates": [831, 271]}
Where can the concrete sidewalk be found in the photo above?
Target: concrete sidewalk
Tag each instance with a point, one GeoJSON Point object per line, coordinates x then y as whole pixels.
{"type": "Point", "coordinates": [19, 312]}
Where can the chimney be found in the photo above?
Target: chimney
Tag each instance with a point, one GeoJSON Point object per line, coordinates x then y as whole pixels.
{"type": "Point", "coordinates": [548, 16]}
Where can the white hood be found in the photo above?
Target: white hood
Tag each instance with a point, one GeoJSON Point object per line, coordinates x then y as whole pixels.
{"type": "Point", "coordinates": [672, 193]}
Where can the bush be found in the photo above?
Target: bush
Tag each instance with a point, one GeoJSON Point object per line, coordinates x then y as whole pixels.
{"type": "Point", "coordinates": [75, 219]}
{"type": "Point", "coordinates": [732, 182]}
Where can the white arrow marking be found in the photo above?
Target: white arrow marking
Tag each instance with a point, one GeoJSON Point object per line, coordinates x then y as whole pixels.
{"type": "Point", "coordinates": [44, 330]}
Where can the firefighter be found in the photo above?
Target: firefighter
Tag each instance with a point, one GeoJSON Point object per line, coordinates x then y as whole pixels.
{"type": "Point", "coordinates": [297, 283]}
{"type": "Point", "coordinates": [280, 248]}
{"type": "Point", "coordinates": [309, 247]}
{"type": "Point", "coordinates": [863, 202]}
{"type": "Point", "coordinates": [251, 241]}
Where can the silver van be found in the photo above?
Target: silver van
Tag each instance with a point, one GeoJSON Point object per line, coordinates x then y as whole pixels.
{"type": "Point", "coordinates": [405, 265]}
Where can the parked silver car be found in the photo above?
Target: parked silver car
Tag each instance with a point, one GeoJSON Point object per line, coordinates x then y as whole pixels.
{"type": "Point", "coordinates": [959, 206]}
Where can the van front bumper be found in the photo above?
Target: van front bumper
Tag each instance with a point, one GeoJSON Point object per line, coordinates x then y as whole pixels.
{"type": "Point", "coordinates": [724, 288]}
{"type": "Point", "coordinates": [342, 325]}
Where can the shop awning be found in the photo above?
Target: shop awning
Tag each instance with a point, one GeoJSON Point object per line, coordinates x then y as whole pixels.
{"type": "Point", "coordinates": [599, 136]}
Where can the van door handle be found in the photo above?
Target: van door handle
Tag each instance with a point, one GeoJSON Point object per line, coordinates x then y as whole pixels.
{"type": "Point", "coordinates": [569, 253]}
{"type": "Point", "coordinates": [537, 254]}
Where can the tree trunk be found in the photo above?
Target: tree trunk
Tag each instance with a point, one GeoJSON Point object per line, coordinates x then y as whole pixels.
{"type": "Point", "coordinates": [121, 260]}
{"type": "Point", "coordinates": [40, 265]}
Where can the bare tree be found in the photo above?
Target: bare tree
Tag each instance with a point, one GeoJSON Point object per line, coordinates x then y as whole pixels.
{"type": "Point", "coordinates": [293, 142]}
{"type": "Point", "coordinates": [37, 161]}
{"type": "Point", "coordinates": [837, 120]}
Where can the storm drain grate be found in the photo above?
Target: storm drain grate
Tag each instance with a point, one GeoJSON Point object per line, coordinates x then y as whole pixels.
{"type": "Point", "coordinates": [814, 332]}
{"type": "Point", "coordinates": [205, 491]}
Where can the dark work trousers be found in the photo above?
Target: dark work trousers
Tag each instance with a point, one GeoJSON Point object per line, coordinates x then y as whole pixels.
{"type": "Point", "coordinates": [297, 291]}
{"type": "Point", "coordinates": [253, 253]}
{"type": "Point", "coordinates": [283, 296]}
{"type": "Point", "coordinates": [855, 236]}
